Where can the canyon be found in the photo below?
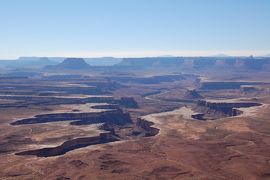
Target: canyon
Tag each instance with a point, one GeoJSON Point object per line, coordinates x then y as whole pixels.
{"type": "Point", "coordinates": [139, 119]}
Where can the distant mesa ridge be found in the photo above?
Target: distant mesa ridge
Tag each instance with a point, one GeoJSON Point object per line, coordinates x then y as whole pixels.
{"type": "Point", "coordinates": [198, 63]}
{"type": "Point", "coordinates": [169, 63]}
{"type": "Point", "coordinates": [71, 64]}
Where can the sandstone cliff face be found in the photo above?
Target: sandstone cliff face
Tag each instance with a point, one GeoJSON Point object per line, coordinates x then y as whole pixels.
{"type": "Point", "coordinates": [229, 109]}
{"type": "Point", "coordinates": [114, 117]}
{"type": "Point", "coordinates": [71, 145]}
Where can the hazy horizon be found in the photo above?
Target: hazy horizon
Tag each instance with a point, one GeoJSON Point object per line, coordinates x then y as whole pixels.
{"type": "Point", "coordinates": [148, 54]}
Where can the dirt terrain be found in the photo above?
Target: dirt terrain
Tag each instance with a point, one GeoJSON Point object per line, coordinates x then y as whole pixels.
{"type": "Point", "coordinates": [135, 126]}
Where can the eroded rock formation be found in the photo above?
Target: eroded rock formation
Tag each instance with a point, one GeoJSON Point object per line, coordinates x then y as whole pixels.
{"type": "Point", "coordinates": [225, 108]}
{"type": "Point", "coordinates": [112, 121]}
{"type": "Point", "coordinates": [71, 145]}
{"type": "Point", "coordinates": [147, 127]}
{"type": "Point", "coordinates": [116, 117]}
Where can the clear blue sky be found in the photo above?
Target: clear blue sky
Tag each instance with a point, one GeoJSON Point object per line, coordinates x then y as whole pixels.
{"type": "Point", "coordinates": [133, 27]}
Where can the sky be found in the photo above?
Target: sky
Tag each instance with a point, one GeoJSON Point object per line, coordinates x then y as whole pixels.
{"type": "Point", "coordinates": [133, 28]}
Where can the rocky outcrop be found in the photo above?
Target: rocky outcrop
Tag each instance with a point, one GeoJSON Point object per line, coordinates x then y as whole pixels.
{"type": "Point", "coordinates": [227, 108]}
{"type": "Point", "coordinates": [148, 130]}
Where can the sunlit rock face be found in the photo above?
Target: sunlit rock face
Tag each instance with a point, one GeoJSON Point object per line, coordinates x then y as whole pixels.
{"type": "Point", "coordinates": [227, 108]}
